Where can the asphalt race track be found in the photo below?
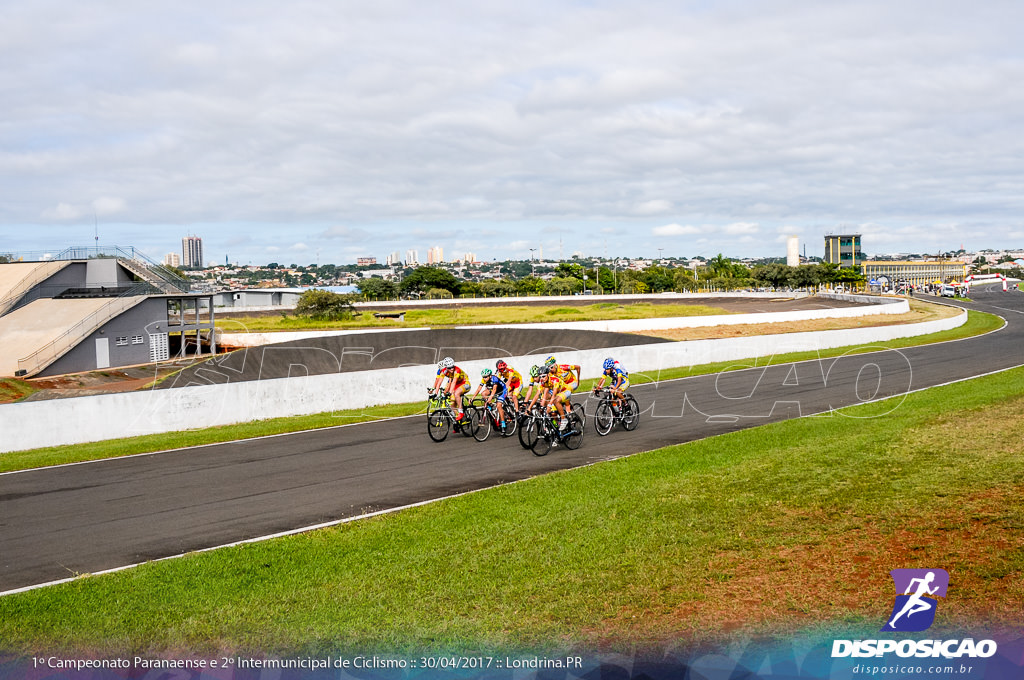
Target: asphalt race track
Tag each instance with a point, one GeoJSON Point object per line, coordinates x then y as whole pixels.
{"type": "Point", "coordinates": [58, 522]}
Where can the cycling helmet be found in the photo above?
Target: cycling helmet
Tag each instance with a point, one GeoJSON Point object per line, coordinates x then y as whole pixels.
{"type": "Point", "coordinates": [534, 371]}
{"type": "Point", "coordinates": [446, 363]}
{"type": "Point", "coordinates": [609, 364]}
{"type": "Point", "coordinates": [550, 361]}
{"type": "Point", "coordinates": [486, 373]}
{"type": "Point", "coordinates": [501, 365]}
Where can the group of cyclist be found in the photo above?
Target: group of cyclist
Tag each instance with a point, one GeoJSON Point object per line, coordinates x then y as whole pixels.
{"type": "Point", "coordinates": [551, 384]}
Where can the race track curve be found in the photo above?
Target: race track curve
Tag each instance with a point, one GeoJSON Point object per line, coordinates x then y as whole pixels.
{"type": "Point", "coordinates": [62, 521]}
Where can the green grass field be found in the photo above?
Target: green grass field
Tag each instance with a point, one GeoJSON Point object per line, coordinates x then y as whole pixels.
{"type": "Point", "coordinates": [474, 315]}
{"type": "Point", "coordinates": [787, 527]}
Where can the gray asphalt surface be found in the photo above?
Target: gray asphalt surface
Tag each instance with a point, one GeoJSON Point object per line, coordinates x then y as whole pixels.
{"type": "Point", "coordinates": [58, 522]}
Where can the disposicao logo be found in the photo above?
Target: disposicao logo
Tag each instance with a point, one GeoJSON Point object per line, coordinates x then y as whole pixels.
{"type": "Point", "coordinates": [915, 608]}
{"type": "Point", "coordinates": [914, 611]}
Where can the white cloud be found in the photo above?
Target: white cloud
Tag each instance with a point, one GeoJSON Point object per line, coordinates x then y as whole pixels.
{"type": "Point", "coordinates": [737, 228]}
{"type": "Point", "coordinates": [675, 230]}
{"type": "Point", "coordinates": [432, 121]}
{"type": "Point", "coordinates": [62, 211]}
{"type": "Point", "coordinates": [107, 205]}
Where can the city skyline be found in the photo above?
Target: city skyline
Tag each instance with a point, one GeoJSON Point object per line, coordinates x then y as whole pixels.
{"type": "Point", "coordinates": [332, 132]}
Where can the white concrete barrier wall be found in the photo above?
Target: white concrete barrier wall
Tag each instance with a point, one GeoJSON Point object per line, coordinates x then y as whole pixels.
{"type": "Point", "coordinates": [872, 306]}
{"type": "Point", "coordinates": [32, 425]}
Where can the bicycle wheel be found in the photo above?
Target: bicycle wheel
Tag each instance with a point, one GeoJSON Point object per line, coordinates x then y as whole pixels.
{"type": "Point", "coordinates": [574, 439]}
{"type": "Point", "coordinates": [545, 439]}
{"type": "Point", "coordinates": [471, 421]}
{"type": "Point", "coordinates": [579, 411]}
{"type": "Point", "coordinates": [604, 419]}
{"type": "Point", "coordinates": [482, 426]}
{"type": "Point", "coordinates": [528, 433]}
{"type": "Point", "coordinates": [511, 422]}
{"type": "Point", "coordinates": [438, 424]}
{"type": "Point", "coordinates": [630, 413]}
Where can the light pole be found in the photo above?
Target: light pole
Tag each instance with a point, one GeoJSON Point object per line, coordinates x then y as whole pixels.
{"type": "Point", "coordinates": [531, 261]}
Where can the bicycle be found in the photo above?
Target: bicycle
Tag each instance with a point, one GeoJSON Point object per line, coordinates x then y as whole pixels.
{"type": "Point", "coordinates": [613, 409]}
{"type": "Point", "coordinates": [548, 434]}
{"type": "Point", "coordinates": [441, 418]}
{"type": "Point", "coordinates": [488, 418]}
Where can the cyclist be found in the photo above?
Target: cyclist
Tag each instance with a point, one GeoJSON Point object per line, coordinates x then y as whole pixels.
{"type": "Point", "coordinates": [496, 389]}
{"type": "Point", "coordinates": [534, 383]}
{"type": "Point", "coordinates": [458, 383]}
{"type": "Point", "coordinates": [555, 393]}
{"type": "Point", "coordinates": [618, 375]}
{"type": "Point", "coordinates": [514, 381]}
{"type": "Point", "coordinates": [567, 373]}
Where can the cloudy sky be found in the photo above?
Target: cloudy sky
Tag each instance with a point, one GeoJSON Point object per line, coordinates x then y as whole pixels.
{"type": "Point", "coordinates": [322, 131]}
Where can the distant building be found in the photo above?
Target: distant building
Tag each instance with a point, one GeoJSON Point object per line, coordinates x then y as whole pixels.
{"type": "Point", "coordinates": [394, 259]}
{"type": "Point", "coordinates": [469, 258]}
{"type": "Point", "coordinates": [192, 251]}
{"type": "Point", "coordinates": [435, 255]}
{"type": "Point", "coordinates": [412, 258]}
{"type": "Point", "coordinates": [366, 261]}
{"type": "Point", "coordinates": [793, 251]}
{"type": "Point", "coordinates": [172, 260]}
{"type": "Point", "coordinates": [843, 249]}
{"type": "Point", "coordinates": [888, 274]}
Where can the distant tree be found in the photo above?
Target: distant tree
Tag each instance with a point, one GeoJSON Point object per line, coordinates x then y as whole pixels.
{"type": "Point", "coordinates": [570, 270]}
{"type": "Point", "coordinates": [323, 305]}
{"type": "Point", "coordinates": [377, 288]}
{"type": "Point", "coordinates": [530, 285]}
{"type": "Point", "coordinates": [682, 278]}
{"type": "Point", "coordinates": [656, 278]}
{"type": "Point", "coordinates": [438, 293]}
{"type": "Point", "coordinates": [470, 289]}
{"type": "Point", "coordinates": [495, 288]}
{"type": "Point", "coordinates": [423, 279]}
{"type": "Point", "coordinates": [564, 285]}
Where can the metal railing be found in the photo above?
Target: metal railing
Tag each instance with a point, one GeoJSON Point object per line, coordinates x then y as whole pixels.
{"type": "Point", "coordinates": [53, 350]}
{"type": "Point", "coordinates": [37, 276]}
{"type": "Point", "coordinates": [144, 265]}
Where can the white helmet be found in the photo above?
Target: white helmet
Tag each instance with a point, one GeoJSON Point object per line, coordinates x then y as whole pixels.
{"type": "Point", "coordinates": [447, 362]}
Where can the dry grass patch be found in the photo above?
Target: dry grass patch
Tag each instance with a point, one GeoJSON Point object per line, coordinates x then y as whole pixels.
{"type": "Point", "coordinates": [920, 312]}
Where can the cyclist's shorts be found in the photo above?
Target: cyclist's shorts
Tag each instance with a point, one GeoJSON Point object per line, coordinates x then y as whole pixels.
{"type": "Point", "coordinates": [623, 386]}
{"type": "Point", "coordinates": [564, 395]}
{"type": "Point", "coordinates": [462, 384]}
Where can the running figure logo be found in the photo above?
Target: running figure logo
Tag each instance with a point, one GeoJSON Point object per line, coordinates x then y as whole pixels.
{"type": "Point", "coordinates": [915, 608]}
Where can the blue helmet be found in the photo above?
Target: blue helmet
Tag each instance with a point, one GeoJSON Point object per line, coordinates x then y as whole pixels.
{"type": "Point", "coordinates": [609, 364]}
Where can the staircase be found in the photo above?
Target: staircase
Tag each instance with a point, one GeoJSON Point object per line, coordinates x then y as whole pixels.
{"type": "Point", "coordinates": [39, 274]}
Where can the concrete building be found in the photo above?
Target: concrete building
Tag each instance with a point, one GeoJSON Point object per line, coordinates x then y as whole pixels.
{"type": "Point", "coordinates": [843, 249]}
{"type": "Point", "coordinates": [412, 258]}
{"type": "Point", "coordinates": [172, 260]}
{"type": "Point", "coordinates": [366, 261]}
{"type": "Point", "coordinates": [889, 274]}
{"type": "Point", "coordinates": [435, 255]}
{"type": "Point", "coordinates": [793, 251]}
{"type": "Point", "coordinates": [192, 251]}
{"type": "Point", "coordinates": [95, 308]}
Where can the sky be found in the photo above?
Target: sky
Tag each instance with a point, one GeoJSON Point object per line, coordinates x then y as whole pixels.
{"type": "Point", "coordinates": [319, 132]}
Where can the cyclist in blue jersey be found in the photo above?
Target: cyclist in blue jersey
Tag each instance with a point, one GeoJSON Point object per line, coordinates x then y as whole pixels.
{"type": "Point", "coordinates": [619, 377]}
{"type": "Point", "coordinates": [494, 388]}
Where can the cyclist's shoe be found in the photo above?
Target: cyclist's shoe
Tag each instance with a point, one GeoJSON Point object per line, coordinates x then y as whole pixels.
{"type": "Point", "coordinates": [562, 424]}
{"type": "Point", "coordinates": [460, 416]}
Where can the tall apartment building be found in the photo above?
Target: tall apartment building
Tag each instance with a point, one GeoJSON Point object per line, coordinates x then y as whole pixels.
{"type": "Point", "coordinates": [843, 249]}
{"type": "Point", "coordinates": [435, 255]}
{"type": "Point", "coordinates": [192, 251]}
{"type": "Point", "coordinates": [412, 258]}
{"type": "Point", "coordinates": [172, 260]}
{"type": "Point", "coordinates": [394, 259]}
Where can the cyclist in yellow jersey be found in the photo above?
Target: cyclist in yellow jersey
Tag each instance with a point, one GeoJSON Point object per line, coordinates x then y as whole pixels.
{"type": "Point", "coordinates": [458, 383]}
{"type": "Point", "coordinates": [567, 373]}
{"type": "Point", "coordinates": [553, 392]}
{"type": "Point", "coordinates": [514, 381]}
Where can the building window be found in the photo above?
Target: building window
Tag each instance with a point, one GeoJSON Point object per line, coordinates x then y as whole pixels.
{"type": "Point", "coordinates": [137, 340]}
{"type": "Point", "coordinates": [121, 340]}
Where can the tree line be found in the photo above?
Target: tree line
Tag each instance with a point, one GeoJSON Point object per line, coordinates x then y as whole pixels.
{"type": "Point", "coordinates": [570, 278]}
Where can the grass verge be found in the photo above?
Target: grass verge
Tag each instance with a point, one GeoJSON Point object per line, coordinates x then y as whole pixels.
{"type": "Point", "coordinates": [977, 323]}
{"type": "Point", "coordinates": [475, 315]}
{"type": "Point", "coordinates": [784, 528]}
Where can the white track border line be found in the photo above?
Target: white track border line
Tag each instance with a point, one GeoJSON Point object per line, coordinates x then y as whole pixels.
{"type": "Point", "coordinates": [346, 520]}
